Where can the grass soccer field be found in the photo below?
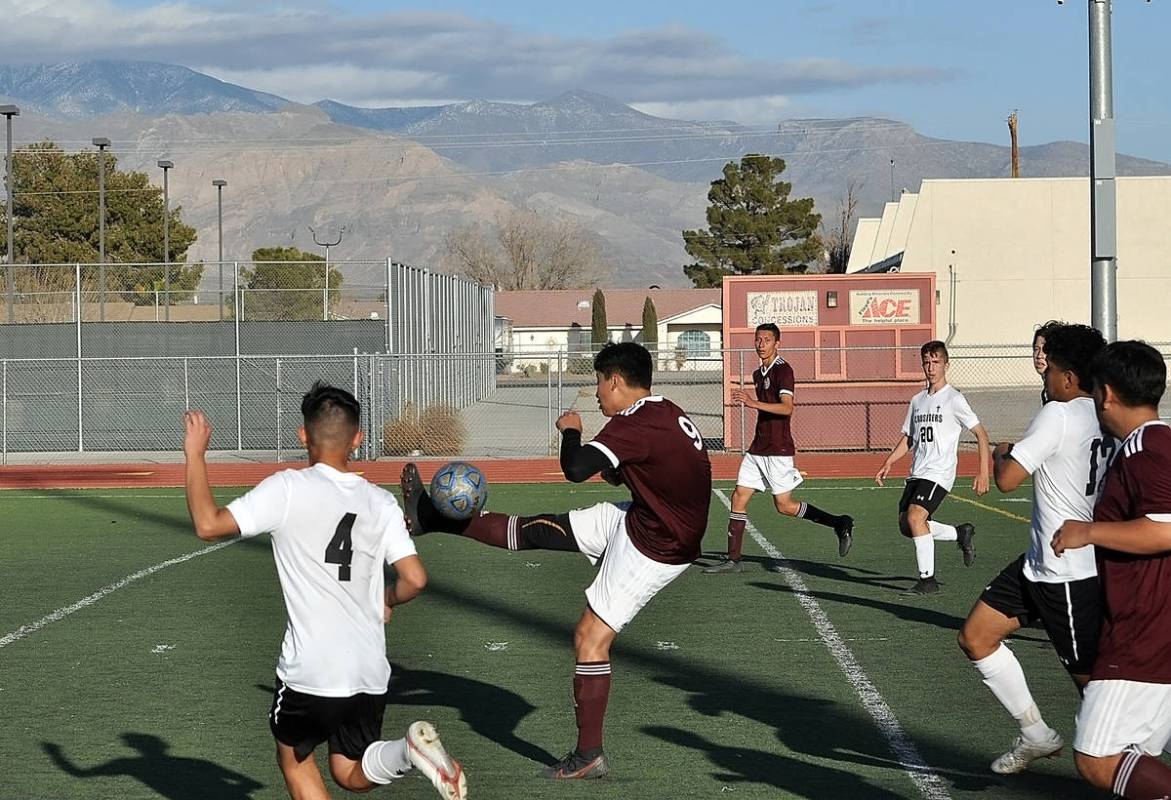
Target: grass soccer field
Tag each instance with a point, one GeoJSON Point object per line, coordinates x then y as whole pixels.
{"type": "Point", "coordinates": [137, 662]}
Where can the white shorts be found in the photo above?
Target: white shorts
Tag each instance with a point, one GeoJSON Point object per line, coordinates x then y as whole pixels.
{"type": "Point", "coordinates": [774, 474]}
{"type": "Point", "coordinates": [1116, 715]}
{"type": "Point", "coordinates": [627, 579]}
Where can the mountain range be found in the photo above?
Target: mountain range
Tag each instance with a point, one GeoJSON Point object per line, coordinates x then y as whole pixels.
{"type": "Point", "coordinates": [401, 179]}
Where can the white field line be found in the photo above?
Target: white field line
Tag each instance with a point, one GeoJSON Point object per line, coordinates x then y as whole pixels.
{"type": "Point", "coordinates": [929, 784]}
{"type": "Point", "coordinates": [61, 613]}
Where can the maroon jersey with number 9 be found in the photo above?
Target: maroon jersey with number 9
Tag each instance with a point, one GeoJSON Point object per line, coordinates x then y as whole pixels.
{"type": "Point", "coordinates": [1135, 644]}
{"type": "Point", "coordinates": [660, 457]}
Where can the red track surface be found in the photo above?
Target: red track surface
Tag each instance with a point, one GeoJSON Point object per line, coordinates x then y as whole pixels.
{"type": "Point", "coordinates": [542, 470]}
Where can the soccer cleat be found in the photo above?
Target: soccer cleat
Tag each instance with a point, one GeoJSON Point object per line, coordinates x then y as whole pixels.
{"type": "Point", "coordinates": [964, 535]}
{"type": "Point", "coordinates": [1025, 751]}
{"type": "Point", "coordinates": [724, 565]}
{"type": "Point", "coordinates": [577, 767]}
{"type": "Point", "coordinates": [926, 585]}
{"type": "Point", "coordinates": [845, 532]}
{"type": "Point", "coordinates": [428, 756]}
{"type": "Point", "coordinates": [413, 493]}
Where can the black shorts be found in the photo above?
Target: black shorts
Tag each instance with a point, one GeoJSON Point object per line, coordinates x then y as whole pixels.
{"type": "Point", "coordinates": [924, 493]}
{"type": "Point", "coordinates": [1071, 613]}
{"type": "Point", "coordinates": [303, 721]}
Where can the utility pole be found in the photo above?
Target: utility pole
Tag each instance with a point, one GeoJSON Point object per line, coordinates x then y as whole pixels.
{"type": "Point", "coordinates": [9, 112]}
{"type": "Point", "coordinates": [1016, 150]}
{"type": "Point", "coordinates": [892, 180]}
{"type": "Point", "coordinates": [325, 286]}
{"type": "Point", "coordinates": [166, 165]}
{"type": "Point", "coordinates": [219, 184]}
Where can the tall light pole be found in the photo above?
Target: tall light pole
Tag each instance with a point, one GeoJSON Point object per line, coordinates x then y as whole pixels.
{"type": "Point", "coordinates": [325, 288]}
{"type": "Point", "coordinates": [892, 180]}
{"type": "Point", "coordinates": [166, 165]}
{"type": "Point", "coordinates": [101, 142]}
{"type": "Point", "coordinates": [9, 112]}
{"type": "Point", "coordinates": [1103, 207]}
{"type": "Point", "coordinates": [219, 184]}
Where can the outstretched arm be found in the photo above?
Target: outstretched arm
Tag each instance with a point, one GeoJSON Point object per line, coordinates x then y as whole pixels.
{"type": "Point", "coordinates": [211, 522]}
{"type": "Point", "coordinates": [898, 451]}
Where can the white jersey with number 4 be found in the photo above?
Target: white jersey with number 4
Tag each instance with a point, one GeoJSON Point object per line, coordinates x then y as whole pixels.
{"type": "Point", "coordinates": [1066, 452]}
{"type": "Point", "coordinates": [332, 532]}
{"type": "Point", "coordinates": [933, 425]}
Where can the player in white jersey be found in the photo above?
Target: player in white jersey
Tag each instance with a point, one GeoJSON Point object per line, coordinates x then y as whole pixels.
{"type": "Point", "coordinates": [935, 419]}
{"type": "Point", "coordinates": [1066, 452]}
{"type": "Point", "coordinates": [332, 533]}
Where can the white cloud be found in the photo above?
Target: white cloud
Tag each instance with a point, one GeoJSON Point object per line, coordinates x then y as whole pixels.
{"type": "Point", "coordinates": [755, 111]}
{"type": "Point", "coordinates": [313, 52]}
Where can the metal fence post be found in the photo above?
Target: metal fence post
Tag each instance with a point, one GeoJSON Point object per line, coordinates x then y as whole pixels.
{"type": "Point", "coordinates": [549, 401]}
{"type": "Point", "coordinates": [236, 326]}
{"type": "Point", "coordinates": [186, 387]}
{"type": "Point", "coordinates": [80, 424]}
{"type": "Point", "coordinates": [743, 409]}
{"type": "Point", "coordinates": [388, 340]}
{"type": "Point", "coordinates": [278, 411]}
{"type": "Point", "coordinates": [4, 413]}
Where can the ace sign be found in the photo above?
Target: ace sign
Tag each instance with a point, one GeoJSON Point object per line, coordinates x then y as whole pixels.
{"type": "Point", "coordinates": [884, 307]}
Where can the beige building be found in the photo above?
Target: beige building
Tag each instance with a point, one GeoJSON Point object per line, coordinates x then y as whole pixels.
{"type": "Point", "coordinates": [545, 323]}
{"type": "Point", "coordinates": [1010, 253]}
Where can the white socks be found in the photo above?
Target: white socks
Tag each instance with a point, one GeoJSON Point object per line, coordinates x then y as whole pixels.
{"type": "Point", "coordinates": [925, 555]}
{"type": "Point", "coordinates": [941, 532]}
{"type": "Point", "coordinates": [383, 762]}
{"type": "Point", "coordinates": [1005, 678]}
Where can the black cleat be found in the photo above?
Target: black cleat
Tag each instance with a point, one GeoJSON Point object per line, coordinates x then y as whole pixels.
{"type": "Point", "coordinates": [413, 493]}
{"type": "Point", "coordinates": [964, 535]}
{"type": "Point", "coordinates": [724, 565]}
{"type": "Point", "coordinates": [577, 767]}
{"type": "Point", "coordinates": [923, 586]}
{"type": "Point", "coordinates": [845, 532]}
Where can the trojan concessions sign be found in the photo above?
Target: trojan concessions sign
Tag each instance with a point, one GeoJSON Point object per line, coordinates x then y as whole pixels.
{"type": "Point", "coordinates": [884, 307]}
{"type": "Point", "coordinates": [785, 309]}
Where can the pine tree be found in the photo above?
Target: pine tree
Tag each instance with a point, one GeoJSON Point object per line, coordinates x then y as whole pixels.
{"type": "Point", "coordinates": [753, 226]}
{"type": "Point", "coordinates": [650, 326]}
{"type": "Point", "coordinates": [599, 330]}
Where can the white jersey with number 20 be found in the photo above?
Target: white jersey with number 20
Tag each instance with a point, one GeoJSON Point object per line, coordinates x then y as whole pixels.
{"type": "Point", "coordinates": [933, 425]}
{"type": "Point", "coordinates": [332, 532]}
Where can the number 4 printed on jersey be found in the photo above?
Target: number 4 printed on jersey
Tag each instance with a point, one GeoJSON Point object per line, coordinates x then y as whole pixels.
{"type": "Point", "coordinates": [340, 549]}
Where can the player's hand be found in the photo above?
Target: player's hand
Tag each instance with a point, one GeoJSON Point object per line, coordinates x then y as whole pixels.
{"type": "Point", "coordinates": [1071, 535]}
{"type": "Point", "coordinates": [611, 476]}
{"type": "Point", "coordinates": [742, 396]}
{"type": "Point", "coordinates": [980, 483]}
{"type": "Point", "coordinates": [569, 421]}
{"type": "Point", "coordinates": [883, 471]}
{"type": "Point", "coordinates": [197, 434]}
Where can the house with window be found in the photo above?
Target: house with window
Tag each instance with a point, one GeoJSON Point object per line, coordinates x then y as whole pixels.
{"type": "Point", "coordinates": [552, 328]}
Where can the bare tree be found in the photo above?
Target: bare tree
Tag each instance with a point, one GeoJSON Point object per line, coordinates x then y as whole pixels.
{"type": "Point", "coordinates": [839, 238]}
{"type": "Point", "coordinates": [528, 251]}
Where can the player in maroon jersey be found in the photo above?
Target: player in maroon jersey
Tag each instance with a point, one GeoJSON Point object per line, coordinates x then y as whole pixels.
{"type": "Point", "coordinates": [650, 445]}
{"type": "Point", "coordinates": [1125, 718]}
{"type": "Point", "coordinates": [768, 464]}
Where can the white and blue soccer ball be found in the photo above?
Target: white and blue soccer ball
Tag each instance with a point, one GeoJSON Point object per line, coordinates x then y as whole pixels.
{"type": "Point", "coordinates": [459, 490]}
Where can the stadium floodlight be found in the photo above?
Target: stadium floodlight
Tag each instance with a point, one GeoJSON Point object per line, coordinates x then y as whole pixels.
{"type": "Point", "coordinates": [166, 165]}
{"type": "Point", "coordinates": [219, 184]}
{"type": "Point", "coordinates": [101, 142]}
{"type": "Point", "coordinates": [9, 112]}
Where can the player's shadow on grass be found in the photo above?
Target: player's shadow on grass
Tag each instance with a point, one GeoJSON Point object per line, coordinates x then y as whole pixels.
{"type": "Point", "coordinates": [490, 711]}
{"type": "Point", "coordinates": [746, 765]}
{"type": "Point", "coordinates": [170, 776]}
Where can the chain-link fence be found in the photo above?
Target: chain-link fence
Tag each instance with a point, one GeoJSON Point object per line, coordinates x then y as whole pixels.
{"type": "Point", "coordinates": [471, 405]}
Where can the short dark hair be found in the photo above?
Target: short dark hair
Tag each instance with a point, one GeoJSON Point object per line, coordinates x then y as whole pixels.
{"type": "Point", "coordinates": [770, 327]}
{"type": "Point", "coordinates": [629, 359]}
{"type": "Point", "coordinates": [1074, 347]}
{"type": "Point", "coordinates": [1134, 370]}
{"type": "Point", "coordinates": [328, 405]}
{"type": "Point", "coordinates": [1046, 328]}
{"type": "Point", "coordinates": [933, 347]}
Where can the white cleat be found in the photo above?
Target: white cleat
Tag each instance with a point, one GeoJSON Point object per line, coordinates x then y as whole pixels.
{"type": "Point", "coordinates": [1024, 752]}
{"type": "Point", "coordinates": [428, 756]}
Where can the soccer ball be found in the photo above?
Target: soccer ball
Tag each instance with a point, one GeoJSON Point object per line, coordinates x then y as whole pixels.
{"type": "Point", "coordinates": [459, 490]}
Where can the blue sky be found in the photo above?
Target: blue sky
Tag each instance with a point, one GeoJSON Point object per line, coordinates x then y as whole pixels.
{"type": "Point", "coordinates": [952, 69]}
